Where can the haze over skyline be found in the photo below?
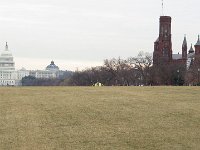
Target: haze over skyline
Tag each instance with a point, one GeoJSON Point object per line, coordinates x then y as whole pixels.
{"type": "Point", "coordinates": [78, 34]}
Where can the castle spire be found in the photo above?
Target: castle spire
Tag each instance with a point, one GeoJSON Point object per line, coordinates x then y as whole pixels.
{"type": "Point", "coordinates": [198, 41]}
{"type": "Point", "coordinates": [185, 41]}
{"type": "Point", "coordinates": [162, 8]}
{"type": "Point", "coordinates": [184, 48]}
{"type": "Point", "coordinates": [191, 50]}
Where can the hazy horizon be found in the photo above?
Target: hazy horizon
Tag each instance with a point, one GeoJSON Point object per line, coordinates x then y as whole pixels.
{"type": "Point", "coordinates": [79, 34]}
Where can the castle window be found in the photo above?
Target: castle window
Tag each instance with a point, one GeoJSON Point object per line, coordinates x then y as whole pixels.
{"type": "Point", "coordinates": [165, 52]}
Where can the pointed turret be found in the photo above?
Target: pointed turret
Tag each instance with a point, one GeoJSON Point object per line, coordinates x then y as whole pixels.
{"type": "Point", "coordinates": [191, 50]}
{"type": "Point", "coordinates": [198, 41]}
{"type": "Point", "coordinates": [184, 41]}
{"type": "Point", "coordinates": [184, 48]}
{"type": "Point", "coordinates": [197, 46]}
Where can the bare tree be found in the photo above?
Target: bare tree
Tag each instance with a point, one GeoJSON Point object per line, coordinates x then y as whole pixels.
{"type": "Point", "coordinates": [142, 63]}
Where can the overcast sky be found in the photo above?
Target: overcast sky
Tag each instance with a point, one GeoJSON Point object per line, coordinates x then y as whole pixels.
{"type": "Point", "coordinates": [82, 33]}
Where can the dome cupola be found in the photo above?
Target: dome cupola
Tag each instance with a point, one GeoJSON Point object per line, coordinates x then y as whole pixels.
{"type": "Point", "coordinates": [52, 67]}
{"type": "Point", "coordinates": [6, 52]}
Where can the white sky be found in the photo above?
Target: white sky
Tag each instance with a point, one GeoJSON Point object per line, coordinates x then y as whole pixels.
{"type": "Point", "coordinates": [82, 33]}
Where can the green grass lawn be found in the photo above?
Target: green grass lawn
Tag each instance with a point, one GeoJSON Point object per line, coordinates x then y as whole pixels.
{"type": "Point", "coordinates": [90, 118]}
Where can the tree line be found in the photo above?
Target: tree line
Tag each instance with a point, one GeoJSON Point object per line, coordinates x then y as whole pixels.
{"type": "Point", "coordinates": [133, 71]}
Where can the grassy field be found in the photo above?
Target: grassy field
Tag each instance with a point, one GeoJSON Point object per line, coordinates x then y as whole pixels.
{"type": "Point", "coordinates": [90, 118]}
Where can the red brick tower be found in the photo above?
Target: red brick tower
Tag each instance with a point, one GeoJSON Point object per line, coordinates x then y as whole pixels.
{"type": "Point", "coordinates": [163, 45]}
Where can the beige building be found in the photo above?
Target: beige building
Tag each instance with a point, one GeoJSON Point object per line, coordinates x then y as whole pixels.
{"type": "Point", "coordinates": [51, 71]}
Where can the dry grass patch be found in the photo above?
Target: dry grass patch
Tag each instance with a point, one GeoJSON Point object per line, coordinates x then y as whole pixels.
{"type": "Point", "coordinates": [100, 118]}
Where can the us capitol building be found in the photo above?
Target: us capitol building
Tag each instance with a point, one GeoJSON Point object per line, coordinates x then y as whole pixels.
{"type": "Point", "coordinates": [11, 77]}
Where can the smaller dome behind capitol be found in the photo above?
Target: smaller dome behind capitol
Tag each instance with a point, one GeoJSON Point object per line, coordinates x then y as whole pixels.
{"type": "Point", "coordinates": [52, 67]}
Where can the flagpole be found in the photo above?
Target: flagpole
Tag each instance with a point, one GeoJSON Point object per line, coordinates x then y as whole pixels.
{"type": "Point", "coordinates": [162, 8]}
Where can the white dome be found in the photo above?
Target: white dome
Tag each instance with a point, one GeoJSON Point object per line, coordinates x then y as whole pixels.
{"type": "Point", "coordinates": [6, 52]}
{"type": "Point", "coordinates": [6, 60]}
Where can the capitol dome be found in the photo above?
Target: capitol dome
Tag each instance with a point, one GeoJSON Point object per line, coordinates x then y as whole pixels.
{"type": "Point", "coordinates": [6, 60]}
{"type": "Point", "coordinates": [6, 52]}
{"type": "Point", "coordinates": [52, 67]}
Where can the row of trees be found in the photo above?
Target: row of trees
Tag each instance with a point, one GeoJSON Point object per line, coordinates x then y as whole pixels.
{"type": "Point", "coordinates": [134, 71]}
{"type": "Point", "coordinates": [138, 71]}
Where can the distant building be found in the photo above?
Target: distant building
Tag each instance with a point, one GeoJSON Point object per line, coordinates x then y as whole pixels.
{"type": "Point", "coordinates": [163, 53]}
{"type": "Point", "coordinates": [51, 71]}
{"type": "Point", "coordinates": [10, 77]}
{"type": "Point", "coordinates": [43, 74]}
{"type": "Point", "coordinates": [7, 68]}
{"type": "Point", "coordinates": [20, 74]}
